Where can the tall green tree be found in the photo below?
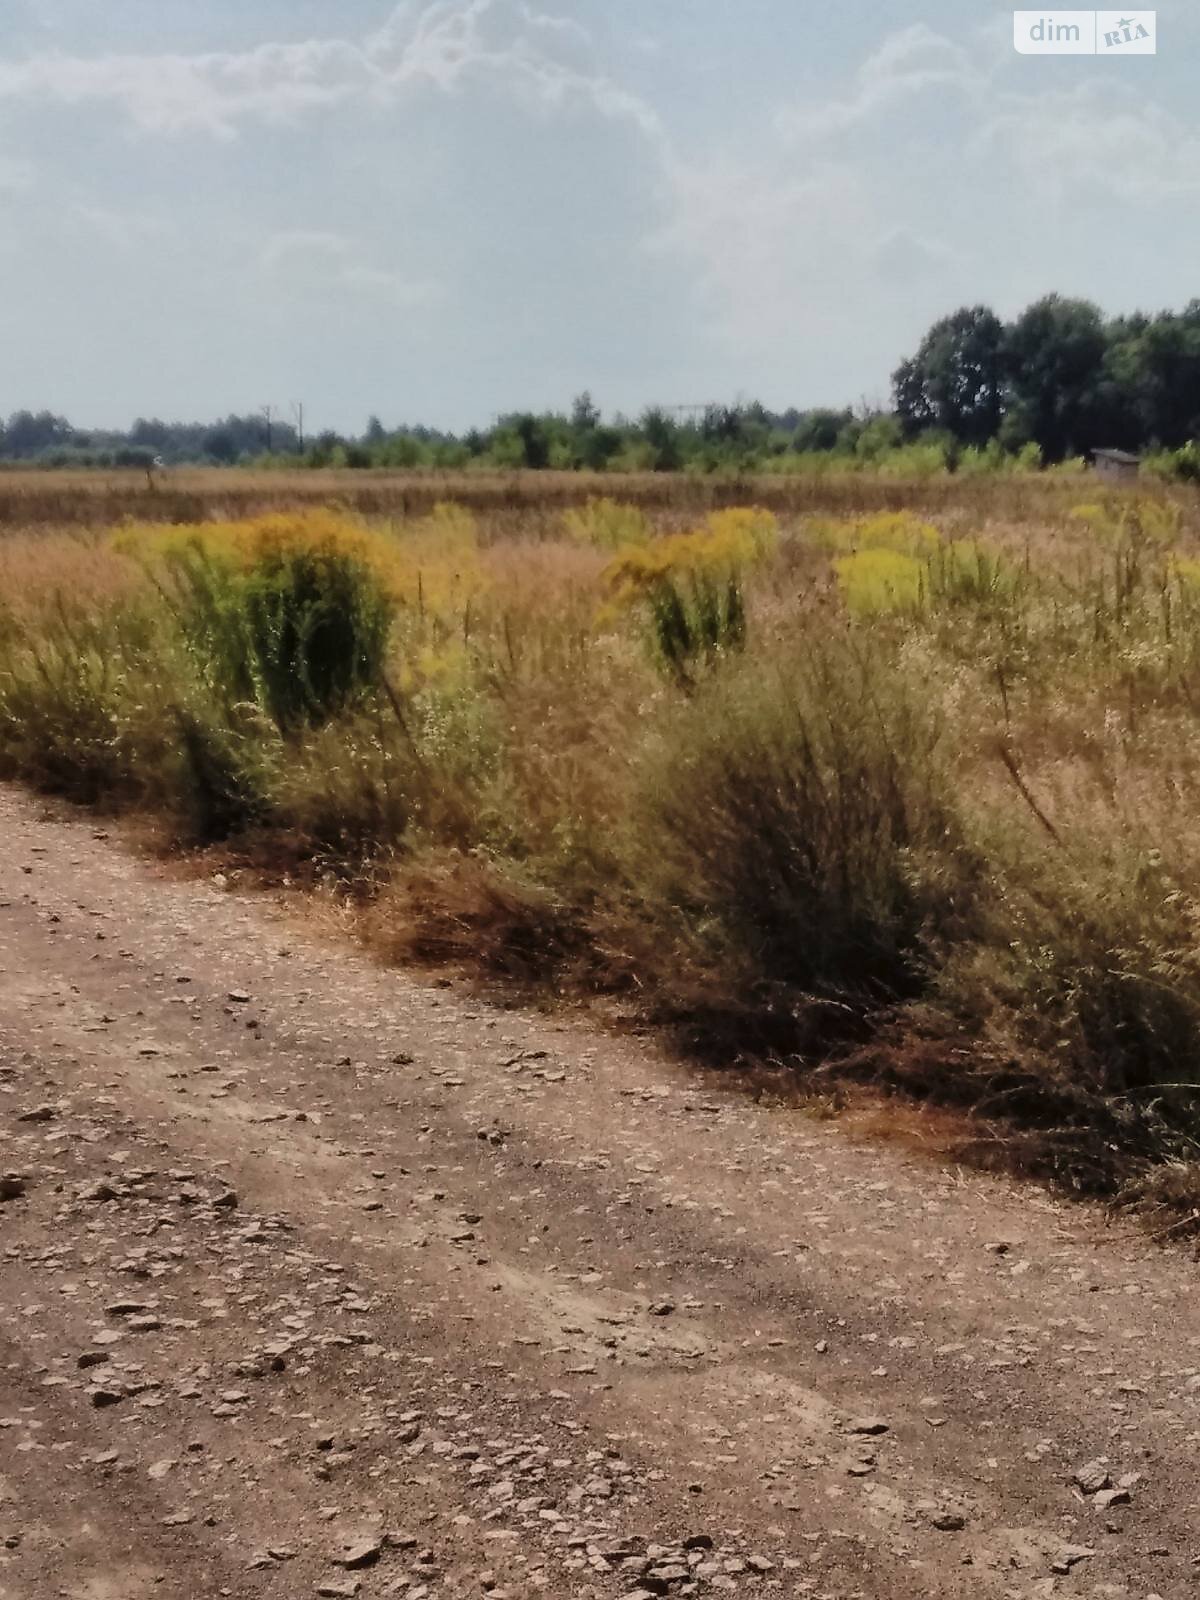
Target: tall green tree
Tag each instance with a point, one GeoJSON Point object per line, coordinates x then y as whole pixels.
{"type": "Point", "coordinates": [1055, 355]}
{"type": "Point", "coordinates": [585, 414]}
{"type": "Point", "coordinates": [662, 440]}
{"type": "Point", "coordinates": [1166, 375]}
{"type": "Point", "coordinates": [956, 379]}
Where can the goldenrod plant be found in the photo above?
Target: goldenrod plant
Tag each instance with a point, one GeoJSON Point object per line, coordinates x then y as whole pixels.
{"type": "Point", "coordinates": [690, 585]}
{"type": "Point", "coordinates": [289, 612]}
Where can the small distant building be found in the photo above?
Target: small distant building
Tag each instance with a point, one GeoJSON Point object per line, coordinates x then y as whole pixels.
{"type": "Point", "coordinates": [1117, 465]}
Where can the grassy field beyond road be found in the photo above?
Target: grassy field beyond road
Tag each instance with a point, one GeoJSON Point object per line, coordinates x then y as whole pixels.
{"type": "Point", "coordinates": [519, 502]}
{"type": "Point", "coordinates": [886, 780]}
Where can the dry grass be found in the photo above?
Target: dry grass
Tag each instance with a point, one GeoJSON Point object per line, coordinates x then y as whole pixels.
{"type": "Point", "coordinates": [526, 504]}
{"type": "Point", "coordinates": [925, 821]}
{"type": "Point", "coordinates": [35, 570]}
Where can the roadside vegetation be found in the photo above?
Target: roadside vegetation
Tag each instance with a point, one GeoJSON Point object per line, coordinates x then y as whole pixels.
{"type": "Point", "coordinates": [902, 794]}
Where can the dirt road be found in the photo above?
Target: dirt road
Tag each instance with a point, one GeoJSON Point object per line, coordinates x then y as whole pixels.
{"type": "Point", "coordinates": [319, 1279]}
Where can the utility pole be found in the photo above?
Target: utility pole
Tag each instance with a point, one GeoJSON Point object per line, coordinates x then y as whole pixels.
{"type": "Point", "coordinates": [298, 413]}
{"type": "Point", "coordinates": [269, 413]}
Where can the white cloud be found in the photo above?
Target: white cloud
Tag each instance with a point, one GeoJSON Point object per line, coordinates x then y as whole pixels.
{"type": "Point", "coordinates": [914, 61]}
{"type": "Point", "coordinates": [316, 262]}
{"type": "Point", "coordinates": [805, 237]}
{"type": "Point", "coordinates": [302, 247]}
{"type": "Point", "coordinates": [1098, 137]}
{"type": "Point", "coordinates": [205, 93]}
{"type": "Point", "coordinates": [443, 46]}
{"type": "Point", "coordinates": [759, 237]}
{"type": "Point", "coordinates": [394, 287]}
{"type": "Point", "coordinates": [783, 260]}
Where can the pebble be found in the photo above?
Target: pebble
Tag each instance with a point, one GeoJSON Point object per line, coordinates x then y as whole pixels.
{"type": "Point", "coordinates": [1092, 1477]}
{"type": "Point", "coordinates": [1069, 1556]}
{"type": "Point", "coordinates": [945, 1519]}
{"type": "Point", "coordinates": [1107, 1498]}
{"type": "Point", "coordinates": [362, 1553]}
{"type": "Point", "coordinates": [46, 1113]}
{"type": "Point", "coordinates": [871, 1426]}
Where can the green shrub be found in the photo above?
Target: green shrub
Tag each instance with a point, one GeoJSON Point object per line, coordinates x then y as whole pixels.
{"type": "Point", "coordinates": [797, 819]}
{"type": "Point", "coordinates": [301, 633]}
{"type": "Point", "coordinates": [694, 617]}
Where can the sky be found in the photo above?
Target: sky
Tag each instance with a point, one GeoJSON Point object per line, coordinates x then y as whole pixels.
{"type": "Point", "coordinates": [444, 209]}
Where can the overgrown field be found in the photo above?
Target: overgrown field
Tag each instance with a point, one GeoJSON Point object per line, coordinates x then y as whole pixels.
{"type": "Point", "coordinates": [520, 503]}
{"type": "Point", "coordinates": [903, 795]}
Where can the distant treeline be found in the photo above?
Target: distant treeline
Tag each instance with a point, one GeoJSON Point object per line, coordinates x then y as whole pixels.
{"type": "Point", "coordinates": [1061, 376]}
{"type": "Point", "coordinates": [744, 435]}
{"type": "Point", "coordinates": [980, 394]}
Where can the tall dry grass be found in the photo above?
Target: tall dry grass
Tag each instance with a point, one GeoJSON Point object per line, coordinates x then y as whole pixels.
{"type": "Point", "coordinates": [521, 504]}
{"type": "Point", "coordinates": [913, 801]}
